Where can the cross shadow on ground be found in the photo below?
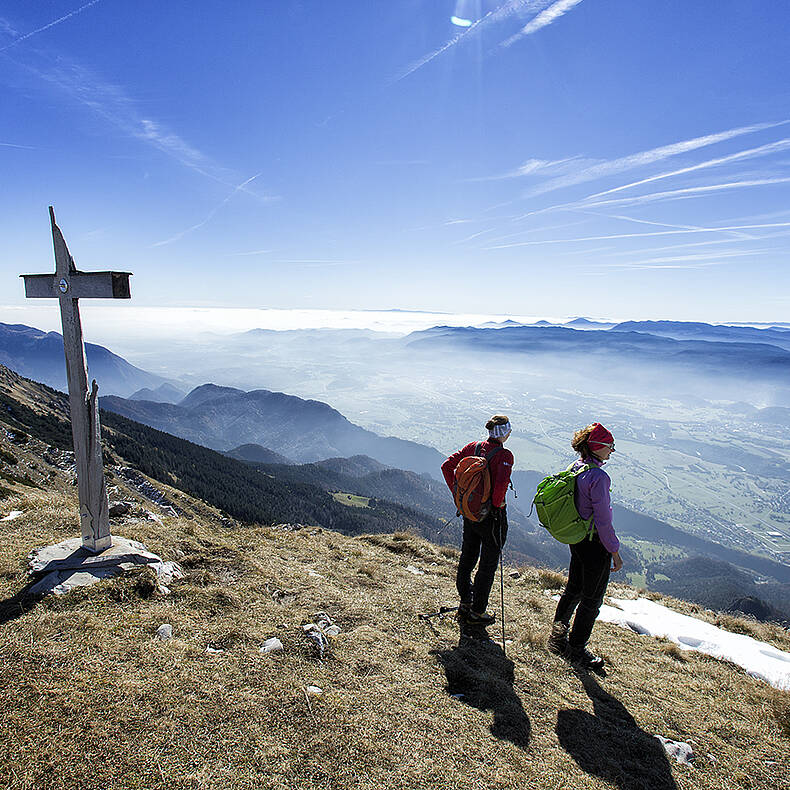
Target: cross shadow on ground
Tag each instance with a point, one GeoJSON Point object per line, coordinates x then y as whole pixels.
{"type": "Point", "coordinates": [479, 670]}
{"type": "Point", "coordinates": [611, 745]}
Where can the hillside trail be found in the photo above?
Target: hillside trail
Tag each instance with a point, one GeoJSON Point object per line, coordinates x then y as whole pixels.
{"type": "Point", "coordinates": [93, 698]}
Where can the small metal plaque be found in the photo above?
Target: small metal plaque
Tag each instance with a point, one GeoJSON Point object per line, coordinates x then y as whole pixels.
{"type": "Point", "coordinates": [63, 285]}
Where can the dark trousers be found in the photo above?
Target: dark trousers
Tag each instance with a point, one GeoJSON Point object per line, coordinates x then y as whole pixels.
{"type": "Point", "coordinates": [588, 576]}
{"type": "Point", "coordinates": [483, 540]}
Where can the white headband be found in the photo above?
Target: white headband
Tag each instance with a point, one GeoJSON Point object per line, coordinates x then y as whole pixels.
{"type": "Point", "coordinates": [498, 431]}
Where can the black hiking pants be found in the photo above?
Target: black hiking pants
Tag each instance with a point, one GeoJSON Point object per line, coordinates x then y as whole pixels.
{"type": "Point", "coordinates": [483, 540]}
{"type": "Point", "coordinates": [588, 576]}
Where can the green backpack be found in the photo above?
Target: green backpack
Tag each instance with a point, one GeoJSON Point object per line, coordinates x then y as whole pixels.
{"type": "Point", "coordinates": [556, 509]}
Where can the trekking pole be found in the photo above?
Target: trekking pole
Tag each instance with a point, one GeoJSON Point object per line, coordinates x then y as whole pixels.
{"type": "Point", "coordinates": [502, 585]}
{"type": "Point", "coordinates": [442, 610]}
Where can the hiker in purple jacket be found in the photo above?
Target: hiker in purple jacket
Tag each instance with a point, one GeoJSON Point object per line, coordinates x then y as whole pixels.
{"type": "Point", "coordinates": [591, 560]}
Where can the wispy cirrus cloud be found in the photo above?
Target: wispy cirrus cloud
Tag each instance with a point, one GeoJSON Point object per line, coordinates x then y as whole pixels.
{"type": "Point", "coordinates": [714, 229]}
{"type": "Point", "coordinates": [543, 19]}
{"type": "Point", "coordinates": [542, 167]}
{"type": "Point", "coordinates": [24, 37]}
{"type": "Point", "coordinates": [659, 154]}
{"type": "Point", "coordinates": [111, 103]}
{"type": "Point", "coordinates": [686, 193]}
{"type": "Point", "coordinates": [740, 156]}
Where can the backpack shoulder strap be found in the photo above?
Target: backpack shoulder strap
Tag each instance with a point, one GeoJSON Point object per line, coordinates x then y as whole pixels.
{"type": "Point", "coordinates": [493, 452]}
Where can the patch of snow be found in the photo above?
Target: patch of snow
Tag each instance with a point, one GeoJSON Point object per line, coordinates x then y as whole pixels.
{"type": "Point", "coordinates": [415, 571]}
{"type": "Point", "coordinates": [12, 515]}
{"type": "Point", "coordinates": [759, 659]}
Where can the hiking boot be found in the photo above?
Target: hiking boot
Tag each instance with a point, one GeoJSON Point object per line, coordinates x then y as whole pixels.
{"type": "Point", "coordinates": [582, 657]}
{"type": "Point", "coordinates": [476, 618]}
{"type": "Point", "coordinates": [463, 611]}
{"type": "Point", "coordinates": [557, 642]}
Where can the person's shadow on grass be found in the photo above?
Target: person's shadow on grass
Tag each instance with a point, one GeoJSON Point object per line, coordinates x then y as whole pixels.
{"type": "Point", "coordinates": [19, 604]}
{"type": "Point", "coordinates": [482, 675]}
{"type": "Point", "coordinates": [611, 745]}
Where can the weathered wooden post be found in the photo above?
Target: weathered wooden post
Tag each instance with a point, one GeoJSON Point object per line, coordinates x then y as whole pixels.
{"type": "Point", "coordinates": [70, 285]}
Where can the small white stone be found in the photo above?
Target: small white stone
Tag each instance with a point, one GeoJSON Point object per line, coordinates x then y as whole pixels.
{"type": "Point", "coordinates": [333, 630]}
{"type": "Point", "coordinates": [12, 515]}
{"type": "Point", "coordinates": [165, 631]}
{"type": "Point", "coordinates": [681, 751]}
{"type": "Point", "coordinates": [214, 650]}
{"type": "Point", "coordinates": [273, 645]}
{"type": "Point", "coordinates": [314, 691]}
{"type": "Point", "coordinates": [415, 571]}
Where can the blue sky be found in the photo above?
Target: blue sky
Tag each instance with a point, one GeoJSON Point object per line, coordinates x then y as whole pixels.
{"type": "Point", "coordinates": [580, 157]}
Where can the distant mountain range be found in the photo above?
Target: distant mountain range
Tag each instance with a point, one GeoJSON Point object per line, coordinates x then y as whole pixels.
{"type": "Point", "coordinates": [165, 393]}
{"type": "Point", "coordinates": [735, 365]}
{"type": "Point", "coordinates": [687, 330]}
{"type": "Point", "coordinates": [39, 355]}
{"type": "Point", "coordinates": [304, 431]}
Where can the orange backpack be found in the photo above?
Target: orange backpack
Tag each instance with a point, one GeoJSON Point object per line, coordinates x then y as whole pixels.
{"type": "Point", "coordinates": [472, 489]}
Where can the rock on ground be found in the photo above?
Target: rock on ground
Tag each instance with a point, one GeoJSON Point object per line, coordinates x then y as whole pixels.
{"type": "Point", "coordinates": [67, 565]}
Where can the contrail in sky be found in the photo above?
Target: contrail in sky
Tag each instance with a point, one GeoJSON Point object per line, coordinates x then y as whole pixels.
{"type": "Point", "coordinates": [749, 153]}
{"type": "Point", "coordinates": [639, 235]}
{"type": "Point", "coordinates": [653, 155]}
{"type": "Point", "coordinates": [504, 11]}
{"type": "Point", "coordinates": [689, 192]}
{"type": "Point", "coordinates": [179, 236]}
{"type": "Point", "coordinates": [543, 19]}
{"type": "Point", "coordinates": [48, 26]}
{"type": "Point", "coordinates": [14, 145]}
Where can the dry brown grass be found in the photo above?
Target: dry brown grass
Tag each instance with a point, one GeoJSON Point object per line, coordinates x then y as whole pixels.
{"type": "Point", "coordinates": [780, 707]}
{"type": "Point", "coordinates": [90, 699]}
{"type": "Point", "coordinates": [551, 580]}
{"type": "Point", "coordinates": [674, 652]}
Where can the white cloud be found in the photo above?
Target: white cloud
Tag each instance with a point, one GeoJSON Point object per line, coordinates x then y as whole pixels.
{"type": "Point", "coordinates": [639, 235]}
{"type": "Point", "coordinates": [687, 193]}
{"type": "Point", "coordinates": [111, 103]}
{"type": "Point", "coordinates": [543, 19]}
{"type": "Point", "coordinates": [542, 167]}
{"type": "Point", "coordinates": [20, 39]}
{"type": "Point", "coordinates": [749, 153]}
{"type": "Point", "coordinates": [643, 158]}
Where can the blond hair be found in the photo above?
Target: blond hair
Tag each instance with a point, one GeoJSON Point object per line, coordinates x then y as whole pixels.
{"type": "Point", "coordinates": [579, 441]}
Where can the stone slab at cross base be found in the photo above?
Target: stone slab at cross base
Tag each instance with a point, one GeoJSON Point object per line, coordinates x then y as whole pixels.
{"type": "Point", "coordinates": [66, 566]}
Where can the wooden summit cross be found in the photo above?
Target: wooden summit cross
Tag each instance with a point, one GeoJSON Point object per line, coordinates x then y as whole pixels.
{"type": "Point", "coordinates": [69, 286]}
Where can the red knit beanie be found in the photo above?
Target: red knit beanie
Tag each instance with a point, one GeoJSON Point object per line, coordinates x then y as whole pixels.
{"type": "Point", "coordinates": [599, 435]}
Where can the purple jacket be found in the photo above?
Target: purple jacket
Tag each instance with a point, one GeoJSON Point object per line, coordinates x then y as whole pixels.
{"type": "Point", "coordinates": [592, 499]}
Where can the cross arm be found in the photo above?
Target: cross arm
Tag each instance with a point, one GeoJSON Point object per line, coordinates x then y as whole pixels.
{"type": "Point", "coordinates": [78, 285]}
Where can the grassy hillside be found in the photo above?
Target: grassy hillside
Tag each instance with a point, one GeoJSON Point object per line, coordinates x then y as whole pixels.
{"type": "Point", "coordinates": [90, 699]}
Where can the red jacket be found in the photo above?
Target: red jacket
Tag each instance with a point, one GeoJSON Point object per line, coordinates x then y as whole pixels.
{"type": "Point", "coordinates": [499, 467]}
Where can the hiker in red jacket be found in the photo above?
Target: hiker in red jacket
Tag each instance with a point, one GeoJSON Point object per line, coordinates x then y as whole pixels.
{"type": "Point", "coordinates": [484, 539]}
{"type": "Point", "coordinates": [591, 560]}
